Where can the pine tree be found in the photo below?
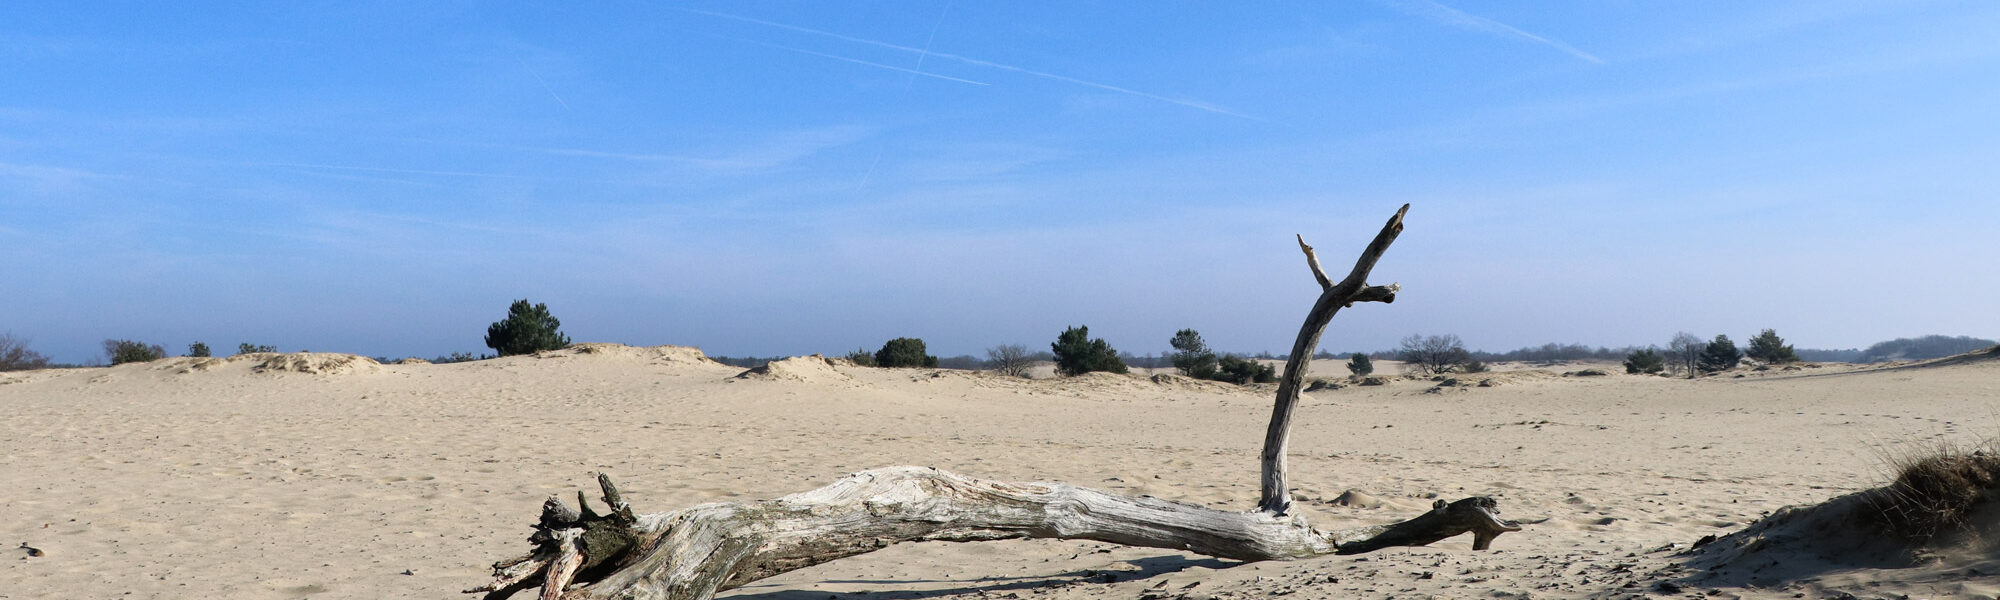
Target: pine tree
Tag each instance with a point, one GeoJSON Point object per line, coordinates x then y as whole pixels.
{"type": "Point", "coordinates": [1359, 365]}
{"type": "Point", "coordinates": [1077, 354]}
{"type": "Point", "coordinates": [528, 328]}
{"type": "Point", "coordinates": [1720, 355]}
{"type": "Point", "coordinates": [1192, 356]}
{"type": "Point", "coordinates": [1770, 348]}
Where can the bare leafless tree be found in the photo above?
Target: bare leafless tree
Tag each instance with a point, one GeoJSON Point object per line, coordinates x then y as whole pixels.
{"type": "Point", "coordinates": [1008, 359]}
{"type": "Point", "coordinates": [1685, 351]}
{"type": "Point", "coordinates": [1434, 354]}
{"type": "Point", "coordinates": [15, 355]}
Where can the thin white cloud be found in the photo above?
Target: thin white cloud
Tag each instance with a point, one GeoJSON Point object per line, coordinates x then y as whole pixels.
{"type": "Point", "coordinates": [1452, 17]}
{"type": "Point", "coordinates": [774, 152]}
{"type": "Point", "coordinates": [389, 170]}
{"type": "Point", "coordinates": [927, 53]}
{"type": "Point", "coordinates": [856, 61]}
{"type": "Point", "coordinates": [545, 83]}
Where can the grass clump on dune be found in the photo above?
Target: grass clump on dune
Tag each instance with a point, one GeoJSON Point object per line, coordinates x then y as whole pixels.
{"type": "Point", "coordinates": [1936, 489]}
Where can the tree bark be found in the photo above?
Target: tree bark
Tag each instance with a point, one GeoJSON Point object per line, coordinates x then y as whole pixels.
{"type": "Point", "coordinates": [693, 553]}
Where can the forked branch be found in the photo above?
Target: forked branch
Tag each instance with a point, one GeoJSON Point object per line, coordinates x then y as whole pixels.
{"type": "Point", "coordinates": [1276, 497]}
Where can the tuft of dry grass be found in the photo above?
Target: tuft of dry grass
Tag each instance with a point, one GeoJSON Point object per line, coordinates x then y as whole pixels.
{"type": "Point", "coordinates": [1935, 488]}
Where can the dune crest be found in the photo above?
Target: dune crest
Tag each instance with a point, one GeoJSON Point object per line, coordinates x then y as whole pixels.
{"type": "Point", "coordinates": [812, 368]}
{"type": "Point", "coordinates": [319, 363]}
{"type": "Point", "coordinates": [665, 355]}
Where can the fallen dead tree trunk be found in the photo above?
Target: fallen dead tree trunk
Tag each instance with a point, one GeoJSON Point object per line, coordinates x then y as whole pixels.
{"type": "Point", "coordinates": [693, 553]}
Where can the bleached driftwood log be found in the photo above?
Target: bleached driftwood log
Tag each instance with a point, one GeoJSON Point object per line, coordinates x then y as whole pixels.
{"type": "Point", "coordinates": [693, 553]}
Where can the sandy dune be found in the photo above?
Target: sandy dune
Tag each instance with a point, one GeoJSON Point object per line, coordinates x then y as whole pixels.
{"type": "Point", "coordinates": [332, 476]}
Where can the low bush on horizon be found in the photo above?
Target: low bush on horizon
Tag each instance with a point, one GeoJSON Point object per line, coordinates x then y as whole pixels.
{"type": "Point", "coordinates": [15, 355]}
{"type": "Point", "coordinates": [249, 348]}
{"type": "Point", "coordinates": [198, 350]}
{"type": "Point", "coordinates": [128, 351]}
{"type": "Point", "coordinates": [1645, 361]}
{"type": "Point", "coordinates": [904, 352]}
{"type": "Point", "coordinates": [1359, 365]}
{"type": "Point", "coordinates": [459, 357]}
{"type": "Point", "coordinates": [1237, 370]}
{"type": "Point", "coordinates": [861, 357]}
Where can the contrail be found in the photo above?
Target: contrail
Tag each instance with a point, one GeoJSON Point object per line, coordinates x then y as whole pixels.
{"type": "Point", "coordinates": [928, 42]}
{"type": "Point", "coordinates": [545, 84]}
{"type": "Point", "coordinates": [870, 173]}
{"type": "Point", "coordinates": [1457, 18]}
{"type": "Point", "coordinates": [1194, 104]}
{"type": "Point", "coordinates": [855, 61]}
{"type": "Point", "coordinates": [387, 170]}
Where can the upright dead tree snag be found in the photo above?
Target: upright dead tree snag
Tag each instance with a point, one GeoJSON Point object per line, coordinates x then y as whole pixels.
{"type": "Point", "coordinates": [1276, 497]}
{"type": "Point", "coordinates": [695, 552]}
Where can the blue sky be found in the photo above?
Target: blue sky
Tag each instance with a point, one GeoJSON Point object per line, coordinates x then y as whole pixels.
{"type": "Point", "coordinates": [777, 178]}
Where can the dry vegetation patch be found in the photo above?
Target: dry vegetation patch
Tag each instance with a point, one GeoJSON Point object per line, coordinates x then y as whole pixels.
{"type": "Point", "coordinates": [1935, 491]}
{"type": "Point", "coordinates": [319, 363]}
{"type": "Point", "coordinates": [1937, 512]}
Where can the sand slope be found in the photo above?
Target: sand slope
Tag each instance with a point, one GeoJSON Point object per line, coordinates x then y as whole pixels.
{"type": "Point", "coordinates": [291, 476]}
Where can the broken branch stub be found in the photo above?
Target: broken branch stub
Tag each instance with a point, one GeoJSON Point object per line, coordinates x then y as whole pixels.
{"type": "Point", "coordinates": [695, 552]}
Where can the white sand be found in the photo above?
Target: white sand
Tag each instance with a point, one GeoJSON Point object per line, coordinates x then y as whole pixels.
{"type": "Point", "coordinates": [286, 476]}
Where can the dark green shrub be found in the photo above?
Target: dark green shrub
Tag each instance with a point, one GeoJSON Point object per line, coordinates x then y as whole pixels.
{"type": "Point", "coordinates": [1645, 361]}
{"type": "Point", "coordinates": [862, 357]}
{"type": "Point", "coordinates": [1720, 355]}
{"type": "Point", "coordinates": [247, 348]}
{"type": "Point", "coordinates": [198, 350]}
{"type": "Point", "coordinates": [1077, 354]}
{"type": "Point", "coordinates": [1243, 370]}
{"type": "Point", "coordinates": [528, 328]}
{"type": "Point", "coordinates": [128, 351]}
{"type": "Point", "coordinates": [1192, 356]}
{"type": "Point", "coordinates": [904, 352]}
{"type": "Point", "coordinates": [1359, 365]}
{"type": "Point", "coordinates": [1770, 348]}
{"type": "Point", "coordinates": [459, 357]}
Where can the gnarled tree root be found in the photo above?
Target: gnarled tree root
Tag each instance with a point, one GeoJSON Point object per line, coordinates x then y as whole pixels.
{"type": "Point", "coordinates": [693, 553]}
